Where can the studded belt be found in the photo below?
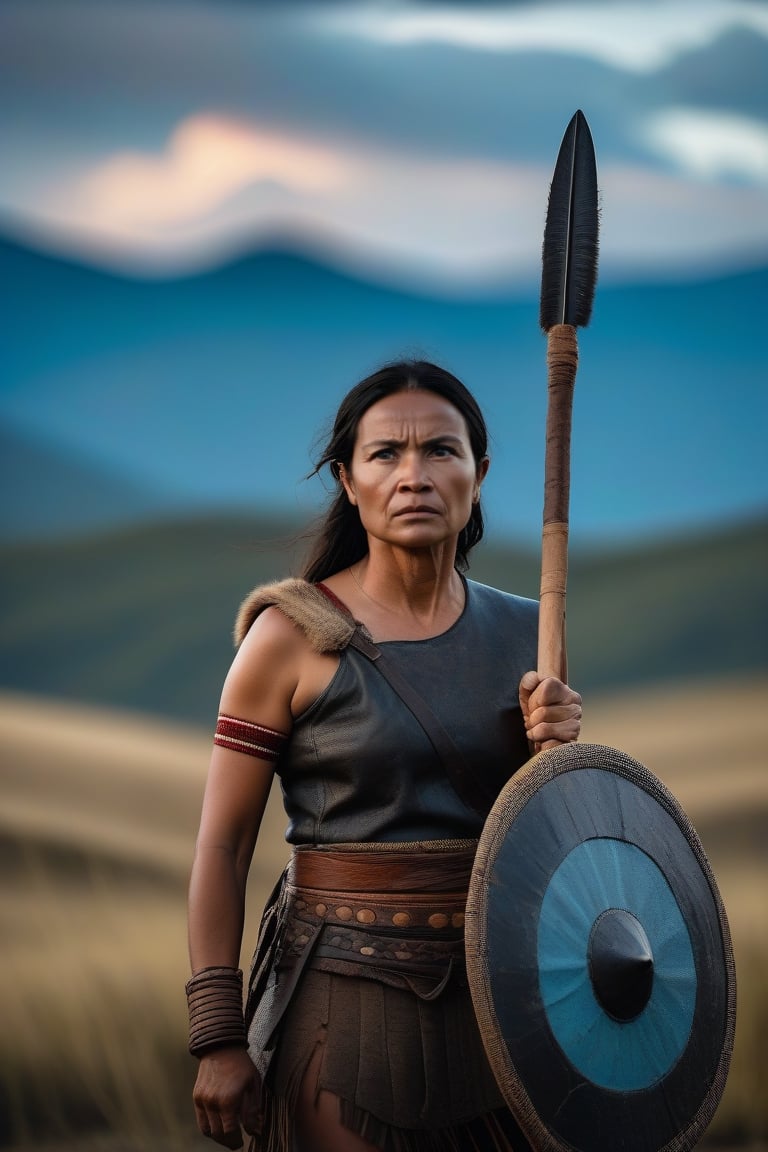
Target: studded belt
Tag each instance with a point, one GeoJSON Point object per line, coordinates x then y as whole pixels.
{"type": "Point", "coordinates": [390, 932]}
{"type": "Point", "coordinates": [384, 911]}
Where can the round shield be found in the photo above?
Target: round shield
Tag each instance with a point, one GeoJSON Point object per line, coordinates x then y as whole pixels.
{"type": "Point", "coordinates": [599, 957]}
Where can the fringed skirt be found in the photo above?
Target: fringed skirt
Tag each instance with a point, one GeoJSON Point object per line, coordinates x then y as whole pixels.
{"type": "Point", "coordinates": [361, 964]}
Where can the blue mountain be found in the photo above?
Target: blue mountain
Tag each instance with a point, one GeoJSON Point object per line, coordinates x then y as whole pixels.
{"type": "Point", "coordinates": [50, 492]}
{"type": "Point", "coordinates": [210, 390]}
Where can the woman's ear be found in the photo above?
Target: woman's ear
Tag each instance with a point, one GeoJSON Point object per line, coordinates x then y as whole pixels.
{"type": "Point", "coordinates": [346, 482]}
{"type": "Point", "coordinates": [482, 471]}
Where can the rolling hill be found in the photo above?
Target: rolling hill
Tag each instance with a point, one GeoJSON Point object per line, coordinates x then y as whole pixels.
{"type": "Point", "coordinates": [141, 618]}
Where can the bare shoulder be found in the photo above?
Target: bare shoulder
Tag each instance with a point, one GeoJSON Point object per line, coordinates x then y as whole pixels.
{"type": "Point", "coordinates": [266, 670]}
{"type": "Point", "coordinates": [274, 633]}
{"type": "Point", "coordinates": [275, 673]}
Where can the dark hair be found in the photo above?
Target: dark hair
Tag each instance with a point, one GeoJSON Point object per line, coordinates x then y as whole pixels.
{"type": "Point", "coordinates": [340, 539]}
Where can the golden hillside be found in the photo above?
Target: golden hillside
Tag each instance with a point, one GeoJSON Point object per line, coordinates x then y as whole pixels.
{"type": "Point", "coordinates": [97, 827]}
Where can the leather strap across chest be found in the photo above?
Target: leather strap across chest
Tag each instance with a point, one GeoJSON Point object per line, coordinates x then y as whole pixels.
{"type": "Point", "coordinates": [464, 781]}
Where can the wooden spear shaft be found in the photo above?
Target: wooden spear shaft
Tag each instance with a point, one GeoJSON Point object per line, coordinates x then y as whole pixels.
{"type": "Point", "coordinates": [569, 274]}
{"type": "Point", "coordinates": [562, 362]}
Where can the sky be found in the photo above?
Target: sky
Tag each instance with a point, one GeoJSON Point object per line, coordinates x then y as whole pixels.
{"type": "Point", "coordinates": [411, 145]}
{"type": "Point", "coordinates": [408, 140]}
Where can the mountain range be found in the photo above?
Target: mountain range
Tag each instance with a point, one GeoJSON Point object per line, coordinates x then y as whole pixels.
{"type": "Point", "coordinates": [125, 398]}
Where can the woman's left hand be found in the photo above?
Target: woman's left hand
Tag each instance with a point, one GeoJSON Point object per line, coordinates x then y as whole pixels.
{"type": "Point", "coordinates": [551, 711]}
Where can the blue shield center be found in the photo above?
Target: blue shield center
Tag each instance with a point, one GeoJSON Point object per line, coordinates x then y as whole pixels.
{"type": "Point", "coordinates": [623, 1055]}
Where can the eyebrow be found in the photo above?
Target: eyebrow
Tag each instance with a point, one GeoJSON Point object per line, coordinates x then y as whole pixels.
{"type": "Point", "coordinates": [394, 442]}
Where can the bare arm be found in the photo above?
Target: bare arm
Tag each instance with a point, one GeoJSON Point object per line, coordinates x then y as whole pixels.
{"type": "Point", "coordinates": [260, 687]}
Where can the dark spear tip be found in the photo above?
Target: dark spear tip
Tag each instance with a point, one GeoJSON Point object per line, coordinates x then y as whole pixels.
{"type": "Point", "coordinates": [569, 255]}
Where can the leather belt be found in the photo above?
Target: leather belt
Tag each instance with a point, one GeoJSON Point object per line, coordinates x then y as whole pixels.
{"type": "Point", "coordinates": [432, 867]}
{"type": "Point", "coordinates": [392, 913]}
{"type": "Point", "coordinates": [403, 939]}
{"type": "Point", "coordinates": [379, 911]}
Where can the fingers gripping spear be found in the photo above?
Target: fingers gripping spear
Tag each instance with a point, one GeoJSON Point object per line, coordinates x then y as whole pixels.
{"type": "Point", "coordinates": [569, 274]}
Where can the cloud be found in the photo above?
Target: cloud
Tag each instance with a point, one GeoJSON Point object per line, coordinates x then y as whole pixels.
{"type": "Point", "coordinates": [640, 37]}
{"type": "Point", "coordinates": [711, 144]}
{"type": "Point", "coordinates": [209, 158]}
{"type": "Point", "coordinates": [221, 184]}
{"type": "Point", "coordinates": [445, 224]}
{"type": "Point", "coordinates": [659, 223]}
{"type": "Point", "coordinates": [398, 139]}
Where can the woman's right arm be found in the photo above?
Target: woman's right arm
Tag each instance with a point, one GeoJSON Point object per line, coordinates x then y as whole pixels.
{"type": "Point", "coordinates": [259, 689]}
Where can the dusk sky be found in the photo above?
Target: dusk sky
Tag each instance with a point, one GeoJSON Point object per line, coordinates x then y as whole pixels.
{"type": "Point", "coordinates": [409, 145]}
{"type": "Point", "coordinates": [413, 140]}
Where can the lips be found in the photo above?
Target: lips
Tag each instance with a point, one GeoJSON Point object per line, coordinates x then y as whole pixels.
{"type": "Point", "coordinates": [417, 508]}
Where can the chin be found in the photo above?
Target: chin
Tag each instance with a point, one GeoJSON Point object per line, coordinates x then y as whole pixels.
{"type": "Point", "coordinates": [424, 536]}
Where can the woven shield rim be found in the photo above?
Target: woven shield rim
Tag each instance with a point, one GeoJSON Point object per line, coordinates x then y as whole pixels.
{"type": "Point", "coordinates": [511, 801]}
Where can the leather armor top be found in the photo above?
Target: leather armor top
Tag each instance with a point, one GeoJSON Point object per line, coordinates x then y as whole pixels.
{"type": "Point", "coordinates": [359, 766]}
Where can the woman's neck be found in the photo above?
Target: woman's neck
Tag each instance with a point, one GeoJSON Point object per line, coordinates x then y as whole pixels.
{"type": "Point", "coordinates": [403, 594]}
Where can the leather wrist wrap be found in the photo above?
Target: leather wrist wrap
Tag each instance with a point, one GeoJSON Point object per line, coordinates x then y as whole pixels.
{"type": "Point", "coordinates": [215, 1002]}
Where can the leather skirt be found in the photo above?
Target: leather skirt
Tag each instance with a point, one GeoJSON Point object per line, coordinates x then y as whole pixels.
{"type": "Point", "coordinates": [361, 955]}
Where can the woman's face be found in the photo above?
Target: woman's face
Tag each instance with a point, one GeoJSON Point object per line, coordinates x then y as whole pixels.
{"type": "Point", "coordinates": [412, 476]}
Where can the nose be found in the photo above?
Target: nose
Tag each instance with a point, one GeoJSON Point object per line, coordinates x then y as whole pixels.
{"type": "Point", "coordinates": [413, 475]}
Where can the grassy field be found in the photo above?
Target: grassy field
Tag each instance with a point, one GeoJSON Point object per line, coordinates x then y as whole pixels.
{"type": "Point", "coordinates": [97, 823]}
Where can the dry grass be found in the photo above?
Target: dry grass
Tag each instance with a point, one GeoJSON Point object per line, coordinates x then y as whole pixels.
{"type": "Point", "coordinates": [709, 744]}
{"type": "Point", "coordinates": [97, 825]}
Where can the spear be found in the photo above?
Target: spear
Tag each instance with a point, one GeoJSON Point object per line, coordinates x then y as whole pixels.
{"type": "Point", "coordinates": [568, 278]}
{"type": "Point", "coordinates": [562, 946]}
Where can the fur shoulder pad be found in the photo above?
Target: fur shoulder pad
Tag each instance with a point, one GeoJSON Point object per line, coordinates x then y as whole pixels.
{"type": "Point", "coordinates": [327, 628]}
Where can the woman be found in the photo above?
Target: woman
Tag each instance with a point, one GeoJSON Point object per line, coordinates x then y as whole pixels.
{"type": "Point", "coordinates": [394, 698]}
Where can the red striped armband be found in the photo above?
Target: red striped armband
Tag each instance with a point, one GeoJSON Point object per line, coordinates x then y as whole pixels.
{"type": "Point", "coordinates": [252, 739]}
